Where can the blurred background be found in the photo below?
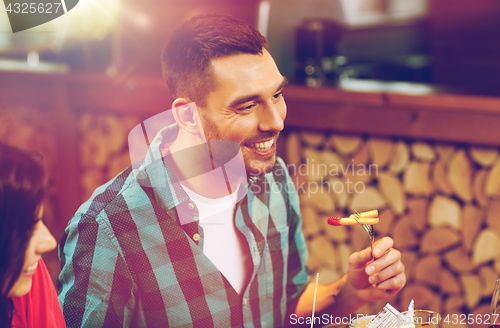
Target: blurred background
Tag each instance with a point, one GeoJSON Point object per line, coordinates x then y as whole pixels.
{"type": "Point", "coordinates": [409, 86]}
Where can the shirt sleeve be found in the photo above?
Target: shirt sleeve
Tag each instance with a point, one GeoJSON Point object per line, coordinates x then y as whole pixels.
{"type": "Point", "coordinates": [39, 307]}
{"type": "Point", "coordinates": [95, 286]}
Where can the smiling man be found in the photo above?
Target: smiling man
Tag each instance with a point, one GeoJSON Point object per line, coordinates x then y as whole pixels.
{"type": "Point", "coordinates": [247, 107]}
{"type": "Point", "coordinates": [186, 239]}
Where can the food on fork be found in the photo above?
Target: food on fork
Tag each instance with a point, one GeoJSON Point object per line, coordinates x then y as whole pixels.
{"type": "Point", "coordinates": [368, 218]}
{"type": "Point", "coordinates": [336, 221]}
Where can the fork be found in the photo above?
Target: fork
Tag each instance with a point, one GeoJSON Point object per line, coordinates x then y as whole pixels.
{"type": "Point", "coordinates": [368, 228]}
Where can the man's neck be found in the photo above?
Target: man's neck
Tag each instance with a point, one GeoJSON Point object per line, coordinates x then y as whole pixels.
{"type": "Point", "coordinates": [193, 170]}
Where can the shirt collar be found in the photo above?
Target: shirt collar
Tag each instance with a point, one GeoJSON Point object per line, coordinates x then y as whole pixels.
{"type": "Point", "coordinates": [155, 174]}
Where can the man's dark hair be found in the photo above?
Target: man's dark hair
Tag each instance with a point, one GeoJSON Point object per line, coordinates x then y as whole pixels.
{"type": "Point", "coordinates": [187, 56]}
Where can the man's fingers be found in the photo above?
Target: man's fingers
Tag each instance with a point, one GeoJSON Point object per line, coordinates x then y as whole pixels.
{"type": "Point", "coordinates": [381, 246]}
{"type": "Point", "coordinates": [387, 273]}
{"type": "Point", "coordinates": [395, 283]}
{"type": "Point", "coordinates": [391, 257]}
{"type": "Point", "coordinates": [358, 260]}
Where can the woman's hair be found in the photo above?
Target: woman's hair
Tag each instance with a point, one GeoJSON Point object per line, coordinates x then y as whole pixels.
{"type": "Point", "coordinates": [21, 191]}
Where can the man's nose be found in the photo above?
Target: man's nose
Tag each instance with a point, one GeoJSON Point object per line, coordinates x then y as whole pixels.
{"type": "Point", "coordinates": [272, 117]}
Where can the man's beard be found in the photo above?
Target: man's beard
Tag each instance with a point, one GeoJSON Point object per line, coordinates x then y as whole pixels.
{"type": "Point", "coordinates": [253, 171]}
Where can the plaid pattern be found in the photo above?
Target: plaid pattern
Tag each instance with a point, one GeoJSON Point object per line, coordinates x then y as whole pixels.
{"type": "Point", "coordinates": [127, 262]}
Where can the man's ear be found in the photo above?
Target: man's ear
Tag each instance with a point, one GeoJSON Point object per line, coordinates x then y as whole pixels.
{"type": "Point", "coordinates": [186, 115]}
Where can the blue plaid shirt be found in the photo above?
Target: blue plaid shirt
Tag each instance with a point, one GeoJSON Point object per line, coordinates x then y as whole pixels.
{"type": "Point", "coordinates": [128, 262]}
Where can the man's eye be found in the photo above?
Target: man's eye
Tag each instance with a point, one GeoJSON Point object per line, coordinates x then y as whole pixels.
{"type": "Point", "coordinates": [246, 108]}
{"type": "Point", "coordinates": [276, 96]}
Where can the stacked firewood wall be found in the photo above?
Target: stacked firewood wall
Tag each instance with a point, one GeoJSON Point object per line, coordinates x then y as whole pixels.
{"type": "Point", "coordinates": [439, 202]}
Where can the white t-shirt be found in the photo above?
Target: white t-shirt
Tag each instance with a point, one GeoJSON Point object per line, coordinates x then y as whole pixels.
{"type": "Point", "coordinates": [224, 245]}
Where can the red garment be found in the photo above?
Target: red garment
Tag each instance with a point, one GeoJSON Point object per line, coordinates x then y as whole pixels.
{"type": "Point", "coordinates": [40, 307]}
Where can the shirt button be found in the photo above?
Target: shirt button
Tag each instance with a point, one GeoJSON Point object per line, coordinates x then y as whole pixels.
{"type": "Point", "coordinates": [244, 301]}
{"type": "Point", "coordinates": [196, 237]}
{"type": "Point", "coordinates": [190, 206]}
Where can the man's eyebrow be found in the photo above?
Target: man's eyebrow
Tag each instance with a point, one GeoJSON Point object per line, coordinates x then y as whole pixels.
{"type": "Point", "coordinates": [245, 99]}
{"type": "Point", "coordinates": [283, 84]}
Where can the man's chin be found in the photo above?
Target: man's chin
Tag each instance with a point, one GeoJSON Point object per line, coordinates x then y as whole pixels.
{"type": "Point", "coordinates": [257, 168]}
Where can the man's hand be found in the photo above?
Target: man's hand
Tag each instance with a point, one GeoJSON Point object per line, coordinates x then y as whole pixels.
{"type": "Point", "coordinates": [367, 280]}
{"type": "Point", "coordinates": [376, 278]}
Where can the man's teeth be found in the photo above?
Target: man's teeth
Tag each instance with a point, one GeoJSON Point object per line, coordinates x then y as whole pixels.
{"type": "Point", "coordinates": [263, 145]}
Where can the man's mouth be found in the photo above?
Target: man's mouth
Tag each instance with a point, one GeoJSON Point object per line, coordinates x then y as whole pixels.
{"type": "Point", "coordinates": [263, 149]}
{"type": "Point", "coordinates": [262, 146]}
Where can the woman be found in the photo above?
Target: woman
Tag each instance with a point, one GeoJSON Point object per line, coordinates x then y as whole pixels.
{"type": "Point", "coordinates": [28, 297]}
